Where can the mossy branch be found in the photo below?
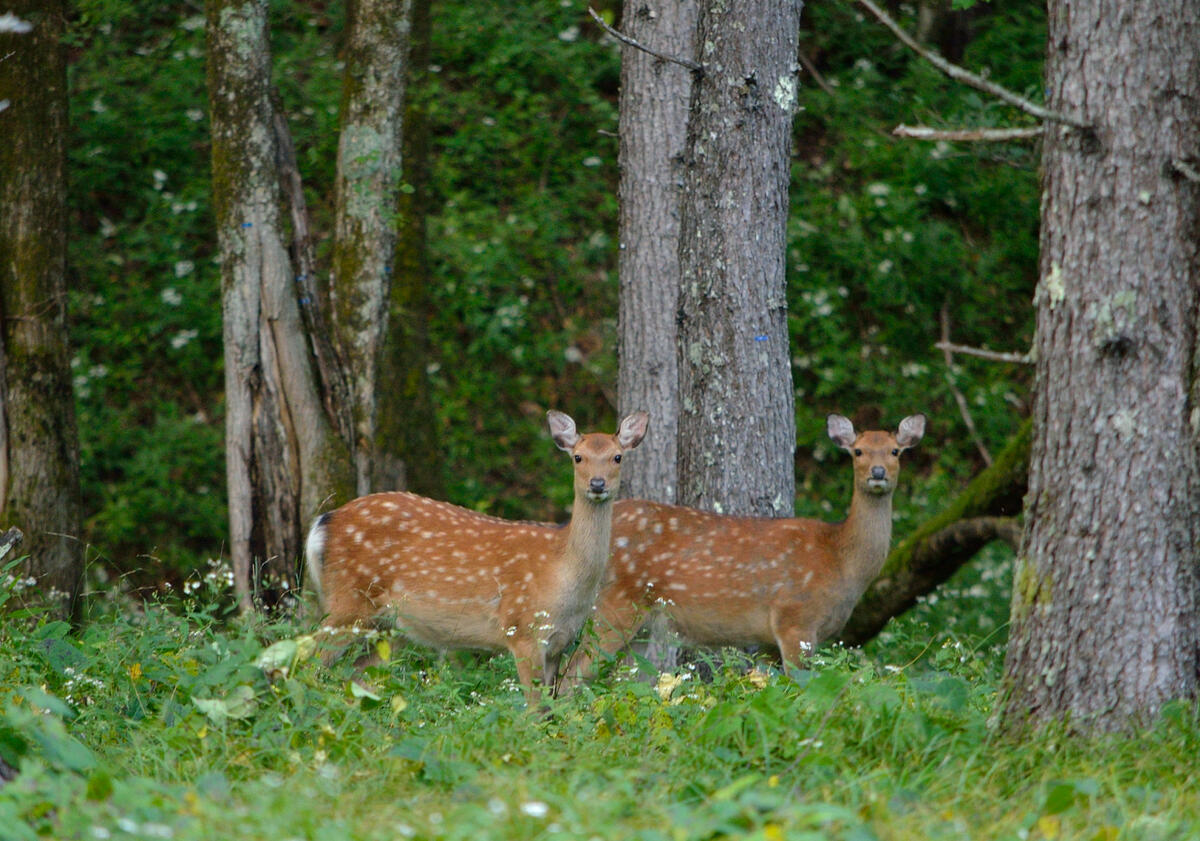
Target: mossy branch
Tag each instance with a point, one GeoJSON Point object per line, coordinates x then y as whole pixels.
{"type": "Point", "coordinates": [985, 511]}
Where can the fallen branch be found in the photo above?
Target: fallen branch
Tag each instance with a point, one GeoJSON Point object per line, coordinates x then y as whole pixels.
{"type": "Point", "coordinates": [967, 77]}
{"type": "Point", "coordinates": [973, 135]}
{"type": "Point", "coordinates": [9, 540]}
{"type": "Point", "coordinates": [984, 353]}
{"type": "Point", "coordinates": [625, 39]}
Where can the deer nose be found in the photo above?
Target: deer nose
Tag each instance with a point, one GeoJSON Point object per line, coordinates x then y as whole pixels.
{"type": "Point", "coordinates": [878, 472]}
{"type": "Point", "coordinates": [596, 486]}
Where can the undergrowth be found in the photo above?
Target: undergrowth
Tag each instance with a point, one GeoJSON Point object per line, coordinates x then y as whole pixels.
{"type": "Point", "coordinates": [175, 720]}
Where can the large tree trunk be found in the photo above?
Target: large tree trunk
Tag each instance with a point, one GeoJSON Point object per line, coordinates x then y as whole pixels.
{"type": "Point", "coordinates": [1104, 614]}
{"type": "Point", "coordinates": [655, 96]}
{"type": "Point", "coordinates": [367, 186]}
{"type": "Point", "coordinates": [407, 454]}
{"type": "Point", "coordinates": [985, 511]}
{"type": "Point", "coordinates": [737, 428]}
{"type": "Point", "coordinates": [39, 445]}
{"type": "Point", "coordinates": [283, 456]}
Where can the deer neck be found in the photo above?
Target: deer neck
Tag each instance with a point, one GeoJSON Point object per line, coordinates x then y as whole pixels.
{"type": "Point", "coordinates": [587, 542]}
{"type": "Point", "coordinates": [865, 537]}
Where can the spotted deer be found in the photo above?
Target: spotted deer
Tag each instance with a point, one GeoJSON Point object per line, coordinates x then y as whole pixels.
{"type": "Point", "coordinates": [452, 578]}
{"type": "Point", "coordinates": [725, 580]}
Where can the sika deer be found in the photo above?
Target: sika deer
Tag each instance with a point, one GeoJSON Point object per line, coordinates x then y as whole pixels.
{"type": "Point", "coordinates": [724, 580]}
{"type": "Point", "coordinates": [452, 578]}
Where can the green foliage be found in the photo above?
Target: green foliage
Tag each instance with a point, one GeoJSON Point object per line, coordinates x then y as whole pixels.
{"type": "Point", "coordinates": [522, 108]}
{"type": "Point", "coordinates": [163, 725]}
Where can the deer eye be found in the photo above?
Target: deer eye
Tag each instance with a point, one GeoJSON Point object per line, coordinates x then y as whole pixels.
{"type": "Point", "coordinates": [617, 459]}
{"type": "Point", "coordinates": [895, 452]}
{"type": "Point", "coordinates": [857, 451]}
{"type": "Point", "coordinates": [578, 459]}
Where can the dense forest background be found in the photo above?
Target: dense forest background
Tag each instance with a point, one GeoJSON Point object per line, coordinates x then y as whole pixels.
{"type": "Point", "coordinates": [890, 240]}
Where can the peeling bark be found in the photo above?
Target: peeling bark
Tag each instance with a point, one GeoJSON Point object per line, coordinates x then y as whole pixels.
{"type": "Point", "coordinates": [283, 457]}
{"type": "Point", "coordinates": [39, 445]}
{"type": "Point", "coordinates": [736, 425]}
{"type": "Point", "coordinates": [1104, 615]}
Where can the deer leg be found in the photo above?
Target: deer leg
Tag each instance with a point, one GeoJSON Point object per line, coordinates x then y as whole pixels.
{"type": "Point", "coordinates": [796, 642]}
{"type": "Point", "coordinates": [530, 660]}
{"type": "Point", "coordinates": [614, 626]}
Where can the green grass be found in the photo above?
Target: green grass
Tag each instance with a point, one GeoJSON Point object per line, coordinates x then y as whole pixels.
{"type": "Point", "coordinates": [157, 723]}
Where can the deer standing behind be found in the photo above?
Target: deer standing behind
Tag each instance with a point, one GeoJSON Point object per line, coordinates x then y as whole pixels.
{"type": "Point", "coordinates": [724, 580]}
{"type": "Point", "coordinates": [453, 578]}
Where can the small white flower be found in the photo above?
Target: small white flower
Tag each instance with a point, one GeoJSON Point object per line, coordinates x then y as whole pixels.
{"type": "Point", "coordinates": [535, 809]}
{"type": "Point", "coordinates": [184, 268]}
{"type": "Point", "coordinates": [11, 23]}
{"type": "Point", "coordinates": [181, 338]}
{"type": "Point", "coordinates": [171, 297]}
{"type": "Point", "coordinates": [570, 34]}
{"type": "Point", "coordinates": [592, 160]}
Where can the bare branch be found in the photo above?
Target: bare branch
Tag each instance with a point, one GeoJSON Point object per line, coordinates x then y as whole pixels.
{"type": "Point", "coordinates": [987, 135]}
{"type": "Point", "coordinates": [960, 398]}
{"type": "Point", "coordinates": [1186, 169]}
{"type": "Point", "coordinates": [625, 39]}
{"type": "Point", "coordinates": [966, 77]}
{"type": "Point", "coordinates": [811, 68]}
{"type": "Point", "coordinates": [984, 353]}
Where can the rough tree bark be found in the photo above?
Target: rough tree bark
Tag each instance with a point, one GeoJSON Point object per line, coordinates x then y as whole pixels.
{"type": "Point", "coordinates": [985, 511]}
{"type": "Point", "coordinates": [655, 96]}
{"type": "Point", "coordinates": [366, 188]}
{"type": "Point", "coordinates": [39, 445]}
{"type": "Point", "coordinates": [283, 456]}
{"type": "Point", "coordinates": [407, 453]}
{"type": "Point", "coordinates": [1104, 613]}
{"type": "Point", "coordinates": [736, 426]}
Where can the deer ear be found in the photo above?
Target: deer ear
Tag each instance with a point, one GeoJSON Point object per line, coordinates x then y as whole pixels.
{"type": "Point", "coordinates": [633, 430]}
{"type": "Point", "coordinates": [912, 430]}
{"type": "Point", "coordinates": [562, 430]}
{"type": "Point", "coordinates": [841, 431]}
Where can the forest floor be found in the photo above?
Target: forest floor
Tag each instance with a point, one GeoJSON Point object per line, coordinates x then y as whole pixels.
{"type": "Point", "coordinates": [167, 721]}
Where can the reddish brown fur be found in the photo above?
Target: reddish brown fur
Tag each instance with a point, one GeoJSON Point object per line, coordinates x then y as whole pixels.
{"type": "Point", "coordinates": [453, 578]}
{"type": "Point", "coordinates": [726, 580]}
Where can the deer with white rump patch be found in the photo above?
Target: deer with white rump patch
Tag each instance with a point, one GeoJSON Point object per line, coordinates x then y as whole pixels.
{"type": "Point", "coordinates": [453, 578]}
{"type": "Point", "coordinates": [724, 580]}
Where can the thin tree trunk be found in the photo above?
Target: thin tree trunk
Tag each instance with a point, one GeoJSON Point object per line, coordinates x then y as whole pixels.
{"type": "Point", "coordinates": [39, 445]}
{"type": "Point", "coordinates": [408, 455]}
{"type": "Point", "coordinates": [283, 457]}
{"type": "Point", "coordinates": [1104, 616]}
{"type": "Point", "coordinates": [655, 96]}
{"type": "Point", "coordinates": [736, 425]}
{"type": "Point", "coordinates": [367, 186]}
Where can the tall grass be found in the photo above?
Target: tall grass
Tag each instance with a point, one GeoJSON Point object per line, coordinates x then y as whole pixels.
{"type": "Point", "coordinates": [161, 722]}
